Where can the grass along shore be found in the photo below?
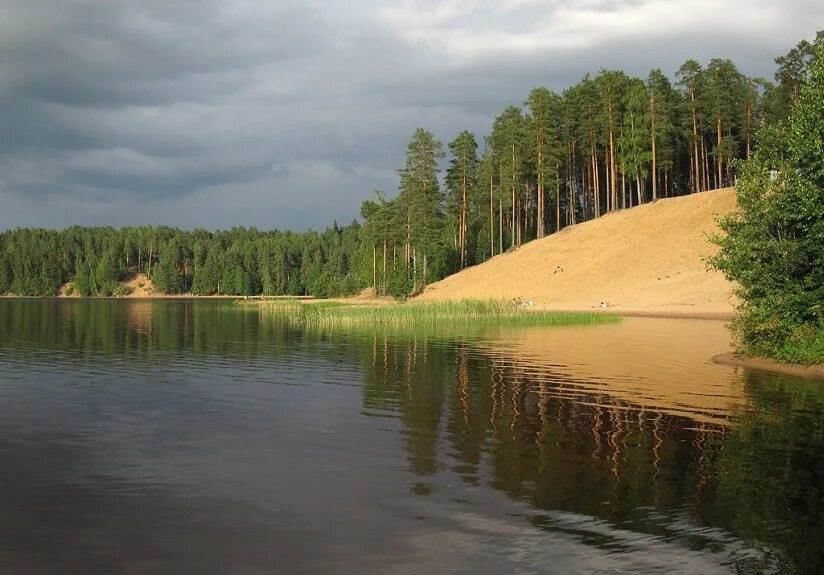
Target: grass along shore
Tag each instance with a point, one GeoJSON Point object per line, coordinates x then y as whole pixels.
{"type": "Point", "coordinates": [491, 313]}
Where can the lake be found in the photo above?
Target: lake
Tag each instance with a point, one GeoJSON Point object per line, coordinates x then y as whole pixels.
{"type": "Point", "coordinates": [206, 437]}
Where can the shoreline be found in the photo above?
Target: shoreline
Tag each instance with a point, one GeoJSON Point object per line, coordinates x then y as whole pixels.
{"type": "Point", "coordinates": [359, 300]}
{"type": "Point", "coordinates": [714, 315]}
{"type": "Point", "coordinates": [807, 371]}
{"type": "Point", "coordinates": [167, 297]}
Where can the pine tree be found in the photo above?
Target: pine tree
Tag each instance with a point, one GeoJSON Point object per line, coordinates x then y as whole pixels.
{"type": "Point", "coordinates": [588, 108]}
{"type": "Point", "coordinates": [105, 275]}
{"type": "Point", "coordinates": [794, 71]}
{"type": "Point", "coordinates": [5, 272]}
{"type": "Point", "coordinates": [691, 79]}
{"type": "Point", "coordinates": [461, 182]}
{"type": "Point", "coordinates": [611, 88]}
{"type": "Point", "coordinates": [543, 145]}
{"type": "Point", "coordinates": [635, 137]}
{"type": "Point", "coordinates": [661, 122]}
{"type": "Point", "coordinates": [83, 282]}
{"type": "Point", "coordinates": [569, 139]}
{"type": "Point", "coordinates": [206, 272]}
{"type": "Point", "coordinates": [487, 186]}
{"type": "Point", "coordinates": [379, 233]}
{"type": "Point", "coordinates": [167, 273]}
{"type": "Point", "coordinates": [506, 142]}
{"type": "Point", "coordinates": [422, 200]}
{"type": "Point", "coordinates": [724, 94]}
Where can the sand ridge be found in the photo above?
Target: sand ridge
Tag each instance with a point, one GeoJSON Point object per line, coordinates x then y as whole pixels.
{"type": "Point", "coordinates": [650, 259]}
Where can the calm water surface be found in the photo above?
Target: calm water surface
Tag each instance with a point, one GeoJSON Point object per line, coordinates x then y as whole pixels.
{"type": "Point", "coordinates": [203, 437]}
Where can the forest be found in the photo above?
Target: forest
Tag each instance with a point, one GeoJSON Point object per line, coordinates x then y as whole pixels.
{"type": "Point", "coordinates": [609, 142]}
{"type": "Point", "coordinates": [240, 261]}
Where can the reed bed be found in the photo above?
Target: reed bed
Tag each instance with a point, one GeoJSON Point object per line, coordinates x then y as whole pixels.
{"type": "Point", "coordinates": [491, 313]}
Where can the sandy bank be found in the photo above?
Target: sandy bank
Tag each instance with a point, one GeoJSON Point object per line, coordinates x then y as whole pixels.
{"type": "Point", "coordinates": [648, 260]}
{"type": "Point", "coordinates": [813, 371]}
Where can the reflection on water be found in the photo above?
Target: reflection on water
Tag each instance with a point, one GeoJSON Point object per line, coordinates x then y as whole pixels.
{"type": "Point", "coordinates": [661, 364]}
{"type": "Point", "coordinates": [193, 437]}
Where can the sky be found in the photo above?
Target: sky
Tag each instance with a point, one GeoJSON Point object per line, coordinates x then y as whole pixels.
{"type": "Point", "coordinates": [221, 113]}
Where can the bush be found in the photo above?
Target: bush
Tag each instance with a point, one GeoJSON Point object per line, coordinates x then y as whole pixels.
{"type": "Point", "coordinates": [122, 290]}
{"type": "Point", "coordinates": [774, 243]}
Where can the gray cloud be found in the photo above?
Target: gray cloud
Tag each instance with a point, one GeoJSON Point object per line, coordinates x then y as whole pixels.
{"type": "Point", "coordinates": [288, 114]}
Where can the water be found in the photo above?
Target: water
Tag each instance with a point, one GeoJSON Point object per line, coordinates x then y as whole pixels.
{"type": "Point", "coordinates": [202, 437]}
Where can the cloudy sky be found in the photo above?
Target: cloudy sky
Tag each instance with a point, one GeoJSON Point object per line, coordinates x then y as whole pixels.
{"type": "Point", "coordinates": [288, 114]}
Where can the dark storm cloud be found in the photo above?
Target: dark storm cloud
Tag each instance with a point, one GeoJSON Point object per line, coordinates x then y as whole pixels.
{"type": "Point", "coordinates": [288, 114]}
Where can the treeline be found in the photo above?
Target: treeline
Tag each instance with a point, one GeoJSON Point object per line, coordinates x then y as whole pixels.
{"type": "Point", "coordinates": [240, 261]}
{"type": "Point", "coordinates": [609, 142]}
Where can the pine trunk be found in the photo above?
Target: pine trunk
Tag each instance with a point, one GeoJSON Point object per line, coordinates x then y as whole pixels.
{"type": "Point", "coordinates": [594, 182]}
{"type": "Point", "coordinates": [706, 163]}
{"type": "Point", "coordinates": [718, 159]}
{"type": "Point", "coordinates": [512, 220]}
{"type": "Point", "coordinates": [540, 207]}
{"type": "Point", "coordinates": [695, 142]}
{"type": "Point", "coordinates": [491, 220]}
{"type": "Point", "coordinates": [613, 170]}
{"type": "Point", "coordinates": [557, 200]}
{"type": "Point", "coordinates": [414, 270]}
{"type": "Point", "coordinates": [384, 266]}
{"type": "Point", "coordinates": [607, 191]}
{"type": "Point", "coordinates": [654, 158]}
{"type": "Point", "coordinates": [573, 171]}
{"type": "Point", "coordinates": [500, 227]}
{"type": "Point", "coordinates": [513, 194]}
{"type": "Point", "coordinates": [624, 189]}
{"type": "Point", "coordinates": [463, 220]}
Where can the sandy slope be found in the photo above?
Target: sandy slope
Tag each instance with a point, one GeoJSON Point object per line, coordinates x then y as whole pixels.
{"type": "Point", "coordinates": [645, 260]}
{"type": "Point", "coordinates": [141, 286]}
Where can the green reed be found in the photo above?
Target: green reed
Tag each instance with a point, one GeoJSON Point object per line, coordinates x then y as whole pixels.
{"type": "Point", "coordinates": [491, 313]}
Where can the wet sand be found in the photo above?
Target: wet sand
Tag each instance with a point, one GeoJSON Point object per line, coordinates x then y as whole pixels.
{"type": "Point", "coordinates": [810, 371]}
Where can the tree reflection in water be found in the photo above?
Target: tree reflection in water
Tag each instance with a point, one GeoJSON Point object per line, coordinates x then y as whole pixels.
{"type": "Point", "coordinates": [614, 434]}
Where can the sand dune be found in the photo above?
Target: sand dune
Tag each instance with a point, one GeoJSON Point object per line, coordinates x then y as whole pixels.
{"type": "Point", "coordinates": [645, 260]}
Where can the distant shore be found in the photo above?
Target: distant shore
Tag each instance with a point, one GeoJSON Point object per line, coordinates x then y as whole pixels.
{"type": "Point", "coordinates": [170, 296]}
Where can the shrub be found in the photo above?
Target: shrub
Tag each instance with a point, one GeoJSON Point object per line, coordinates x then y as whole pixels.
{"type": "Point", "coordinates": [774, 243]}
